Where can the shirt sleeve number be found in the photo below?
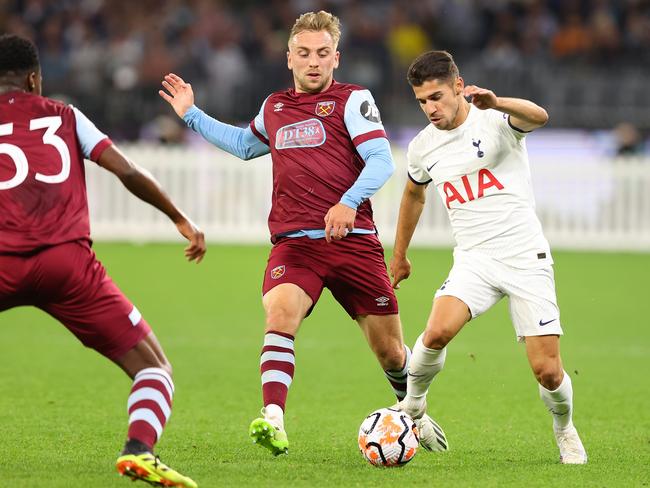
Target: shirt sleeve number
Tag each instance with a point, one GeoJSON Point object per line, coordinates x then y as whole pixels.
{"type": "Point", "coordinates": [19, 158]}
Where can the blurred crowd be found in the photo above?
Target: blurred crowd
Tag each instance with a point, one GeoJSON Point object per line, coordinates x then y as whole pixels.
{"type": "Point", "coordinates": [109, 55]}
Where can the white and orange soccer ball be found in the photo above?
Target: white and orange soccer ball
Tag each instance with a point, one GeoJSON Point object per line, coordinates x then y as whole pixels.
{"type": "Point", "coordinates": [388, 437]}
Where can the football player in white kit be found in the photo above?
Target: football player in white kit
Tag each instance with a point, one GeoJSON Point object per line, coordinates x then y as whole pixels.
{"type": "Point", "coordinates": [475, 154]}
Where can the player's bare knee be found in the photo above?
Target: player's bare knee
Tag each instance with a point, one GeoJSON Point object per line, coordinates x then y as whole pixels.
{"type": "Point", "coordinates": [392, 357]}
{"type": "Point", "coordinates": [548, 375]}
{"type": "Point", "coordinates": [436, 338]}
{"type": "Point", "coordinates": [281, 319]}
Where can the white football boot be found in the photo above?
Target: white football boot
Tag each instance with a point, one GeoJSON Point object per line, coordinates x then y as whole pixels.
{"type": "Point", "coordinates": [571, 449]}
{"type": "Point", "coordinates": [432, 437]}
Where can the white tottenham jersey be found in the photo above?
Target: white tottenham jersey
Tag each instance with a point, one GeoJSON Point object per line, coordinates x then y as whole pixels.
{"type": "Point", "coordinates": [481, 171]}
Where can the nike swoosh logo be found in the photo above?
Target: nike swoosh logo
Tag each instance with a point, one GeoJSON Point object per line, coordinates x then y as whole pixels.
{"type": "Point", "coordinates": [415, 375]}
{"type": "Point", "coordinates": [429, 167]}
{"type": "Point", "coordinates": [542, 324]}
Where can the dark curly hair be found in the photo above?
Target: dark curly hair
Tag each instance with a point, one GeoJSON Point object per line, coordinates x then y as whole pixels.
{"type": "Point", "coordinates": [17, 55]}
{"type": "Point", "coordinates": [432, 65]}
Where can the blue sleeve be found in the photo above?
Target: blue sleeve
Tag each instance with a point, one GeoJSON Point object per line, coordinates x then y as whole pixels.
{"type": "Point", "coordinates": [235, 140]}
{"type": "Point", "coordinates": [379, 167]}
{"type": "Point", "coordinates": [89, 135]}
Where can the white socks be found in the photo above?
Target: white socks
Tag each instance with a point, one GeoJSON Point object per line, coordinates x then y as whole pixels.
{"type": "Point", "coordinates": [274, 414]}
{"type": "Point", "coordinates": [560, 403]}
{"type": "Point", "coordinates": [425, 364]}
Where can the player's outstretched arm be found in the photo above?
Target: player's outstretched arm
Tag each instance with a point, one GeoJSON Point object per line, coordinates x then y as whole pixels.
{"type": "Point", "coordinates": [524, 114]}
{"type": "Point", "coordinates": [179, 94]}
{"type": "Point", "coordinates": [410, 209]}
{"type": "Point", "coordinates": [235, 140]}
{"type": "Point", "coordinates": [144, 186]}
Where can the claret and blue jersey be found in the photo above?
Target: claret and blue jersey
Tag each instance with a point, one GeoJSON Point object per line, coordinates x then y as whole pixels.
{"type": "Point", "coordinates": [326, 148]}
{"type": "Point", "coordinates": [42, 183]}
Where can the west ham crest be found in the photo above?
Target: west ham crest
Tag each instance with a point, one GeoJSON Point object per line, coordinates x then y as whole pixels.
{"type": "Point", "coordinates": [323, 109]}
{"type": "Point", "coordinates": [277, 272]}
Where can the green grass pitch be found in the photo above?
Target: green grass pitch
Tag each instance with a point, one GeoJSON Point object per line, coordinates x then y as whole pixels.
{"type": "Point", "coordinates": [63, 408]}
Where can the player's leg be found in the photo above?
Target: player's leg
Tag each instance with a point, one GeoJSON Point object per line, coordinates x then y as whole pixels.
{"type": "Point", "coordinates": [556, 391]}
{"type": "Point", "coordinates": [384, 336]}
{"type": "Point", "coordinates": [290, 290]}
{"type": "Point", "coordinates": [76, 290]}
{"type": "Point", "coordinates": [149, 406]}
{"type": "Point", "coordinates": [448, 316]}
{"type": "Point", "coordinates": [467, 292]}
{"type": "Point", "coordinates": [358, 280]}
{"type": "Point", "coordinates": [536, 317]}
{"type": "Point", "coordinates": [285, 306]}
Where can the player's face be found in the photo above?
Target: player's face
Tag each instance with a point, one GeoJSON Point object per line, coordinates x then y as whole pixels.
{"type": "Point", "coordinates": [442, 102]}
{"type": "Point", "coordinates": [312, 57]}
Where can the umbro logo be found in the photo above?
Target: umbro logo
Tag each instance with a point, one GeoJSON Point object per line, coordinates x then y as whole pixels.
{"type": "Point", "coordinates": [542, 324]}
{"type": "Point", "coordinates": [278, 107]}
{"type": "Point", "coordinates": [382, 301]}
{"type": "Point", "coordinates": [429, 167]}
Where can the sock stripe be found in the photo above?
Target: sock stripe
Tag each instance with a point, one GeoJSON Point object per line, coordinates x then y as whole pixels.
{"type": "Point", "coordinates": [153, 406]}
{"type": "Point", "coordinates": [149, 405]}
{"type": "Point", "coordinates": [158, 372]}
{"type": "Point", "coordinates": [273, 339]}
{"type": "Point", "coordinates": [287, 357]}
{"type": "Point", "coordinates": [277, 364]}
{"type": "Point", "coordinates": [151, 395]}
{"type": "Point", "coordinates": [399, 377]}
{"type": "Point", "coordinates": [148, 417]}
{"type": "Point", "coordinates": [157, 379]}
{"type": "Point", "coordinates": [275, 376]}
{"type": "Point", "coordinates": [153, 385]}
{"type": "Point", "coordinates": [283, 366]}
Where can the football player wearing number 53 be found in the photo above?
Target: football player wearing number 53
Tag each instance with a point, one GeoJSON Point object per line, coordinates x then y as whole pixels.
{"type": "Point", "coordinates": [475, 155]}
{"type": "Point", "coordinates": [46, 259]}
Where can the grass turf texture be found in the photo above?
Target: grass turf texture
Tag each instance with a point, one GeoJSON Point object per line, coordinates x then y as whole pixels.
{"type": "Point", "coordinates": [62, 407]}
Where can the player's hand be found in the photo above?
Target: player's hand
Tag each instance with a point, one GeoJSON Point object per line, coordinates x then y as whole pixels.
{"type": "Point", "coordinates": [481, 97]}
{"type": "Point", "coordinates": [180, 96]}
{"type": "Point", "coordinates": [196, 249]}
{"type": "Point", "coordinates": [400, 269]}
{"type": "Point", "coordinates": [339, 220]}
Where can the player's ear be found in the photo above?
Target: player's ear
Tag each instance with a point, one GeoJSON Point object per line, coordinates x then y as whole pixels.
{"type": "Point", "coordinates": [459, 85]}
{"type": "Point", "coordinates": [336, 59]}
{"type": "Point", "coordinates": [32, 81]}
{"type": "Point", "coordinates": [289, 63]}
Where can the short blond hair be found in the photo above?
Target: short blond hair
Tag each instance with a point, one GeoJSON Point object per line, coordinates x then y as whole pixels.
{"type": "Point", "coordinates": [321, 21]}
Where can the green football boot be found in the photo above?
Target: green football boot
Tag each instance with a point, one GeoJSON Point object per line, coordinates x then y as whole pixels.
{"type": "Point", "coordinates": [273, 438]}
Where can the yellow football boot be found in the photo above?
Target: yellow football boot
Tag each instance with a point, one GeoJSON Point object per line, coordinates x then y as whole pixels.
{"type": "Point", "coordinates": [149, 468]}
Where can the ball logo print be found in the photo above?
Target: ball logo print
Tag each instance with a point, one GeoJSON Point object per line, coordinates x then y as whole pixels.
{"type": "Point", "coordinates": [388, 437]}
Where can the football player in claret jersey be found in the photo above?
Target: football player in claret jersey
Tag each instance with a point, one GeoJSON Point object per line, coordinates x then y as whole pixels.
{"type": "Point", "coordinates": [46, 259]}
{"type": "Point", "coordinates": [474, 153]}
{"type": "Point", "coordinates": [330, 155]}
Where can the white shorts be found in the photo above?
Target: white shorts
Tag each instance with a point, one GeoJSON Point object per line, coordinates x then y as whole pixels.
{"type": "Point", "coordinates": [480, 282]}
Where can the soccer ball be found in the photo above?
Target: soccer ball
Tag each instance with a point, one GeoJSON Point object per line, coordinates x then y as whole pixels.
{"type": "Point", "coordinates": [388, 437]}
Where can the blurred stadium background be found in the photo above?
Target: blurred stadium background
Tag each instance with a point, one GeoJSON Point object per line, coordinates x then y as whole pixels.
{"type": "Point", "coordinates": [587, 62]}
